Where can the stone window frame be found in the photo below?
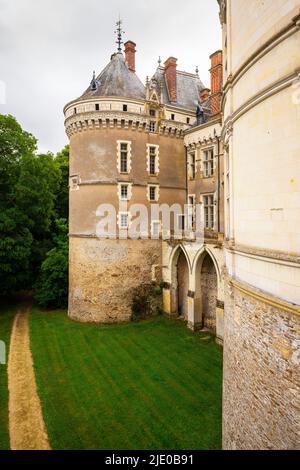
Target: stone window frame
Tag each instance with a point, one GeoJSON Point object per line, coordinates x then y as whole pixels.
{"type": "Point", "coordinates": [209, 163]}
{"type": "Point", "coordinates": [129, 191]}
{"type": "Point", "coordinates": [192, 174]}
{"type": "Point", "coordinates": [148, 146]}
{"type": "Point", "coordinates": [153, 235]}
{"type": "Point", "coordinates": [211, 213]}
{"type": "Point", "coordinates": [156, 186]}
{"type": "Point", "coordinates": [191, 213]}
{"type": "Point", "coordinates": [152, 126]}
{"type": "Point", "coordinates": [120, 214]}
{"type": "Point", "coordinates": [129, 156]}
{"type": "Point", "coordinates": [183, 218]}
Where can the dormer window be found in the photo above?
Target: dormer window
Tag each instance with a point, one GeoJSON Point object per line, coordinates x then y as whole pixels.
{"type": "Point", "coordinates": [125, 108]}
{"type": "Point", "coordinates": [152, 112]}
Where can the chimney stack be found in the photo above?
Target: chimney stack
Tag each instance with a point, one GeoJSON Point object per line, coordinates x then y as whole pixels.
{"type": "Point", "coordinates": [130, 55]}
{"type": "Point", "coordinates": [216, 74]}
{"type": "Point", "coordinates": [171, 78]}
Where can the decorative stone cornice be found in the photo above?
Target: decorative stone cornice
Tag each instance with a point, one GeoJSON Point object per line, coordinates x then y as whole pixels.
{"type": "Point", "coordinates": [117, 119]}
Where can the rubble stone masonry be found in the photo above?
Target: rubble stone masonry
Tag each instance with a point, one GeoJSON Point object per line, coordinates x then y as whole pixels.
{"type": "Point", "coordinates": [103, 274]}
{"type": "Point", "coordinates": [261, 390]}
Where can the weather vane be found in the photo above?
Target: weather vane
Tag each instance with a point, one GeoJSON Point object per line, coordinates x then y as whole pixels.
{"type": "Point", "coordinates": [119, 32]}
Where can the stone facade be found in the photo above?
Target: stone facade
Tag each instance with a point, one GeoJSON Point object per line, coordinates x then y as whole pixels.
{"type": "Point", "coordinates": [261, 400]}
{"type": "Point", "coordinates": [262, 205]}
{"type": "Point", "coordinates": [103, 274]}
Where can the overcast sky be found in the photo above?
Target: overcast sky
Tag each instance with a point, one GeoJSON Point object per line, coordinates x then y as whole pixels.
{"type": "Point", "coordinates": [49, 49]}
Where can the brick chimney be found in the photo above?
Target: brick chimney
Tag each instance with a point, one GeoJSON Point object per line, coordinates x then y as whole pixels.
{"type": "Point", "coordinates": [216, 75]}
{"type": "Point", "coordinates": [204, 94]}
{"type": "Point", "coordinates": [171, 78]}
{"type": "Point", "coordinates": [130, 55]}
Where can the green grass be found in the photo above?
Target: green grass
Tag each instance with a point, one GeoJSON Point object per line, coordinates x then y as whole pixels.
{"type": "Point", "coordinates": [7, 312]}
{"type": "Point", "coordinates": [146, 385]}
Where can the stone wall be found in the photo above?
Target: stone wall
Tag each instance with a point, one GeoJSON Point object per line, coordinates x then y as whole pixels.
{"type": "Point", "coordinates": [261, 395]}
{"type": "Point", "coordinates": [103, 273]}
{"type": "Point", "coordinates": [209, 287]}
{"type": "Point", "coordinates": [183, 284]}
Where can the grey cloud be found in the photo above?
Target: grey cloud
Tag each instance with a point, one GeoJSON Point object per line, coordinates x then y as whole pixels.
{"type": "Point", "coordinates": [49, 49]}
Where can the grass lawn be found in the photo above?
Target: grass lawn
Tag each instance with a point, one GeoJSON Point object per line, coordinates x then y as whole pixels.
{"type": "Point", "coordinates": [7, 312]}
{"type": "Point", "coordinates": [146, 385]}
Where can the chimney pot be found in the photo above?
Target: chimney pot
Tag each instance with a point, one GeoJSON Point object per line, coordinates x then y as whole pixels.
{"type": "Point", "coordinates": [130, 50]}
{"type": "Point", "coordinates": [216, 75]}
{"type": "Point", "coordinates": [171, 78]}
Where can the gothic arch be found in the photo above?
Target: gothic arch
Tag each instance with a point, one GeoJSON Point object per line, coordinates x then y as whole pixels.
{"type": "Point", "coordinates": [180, 279]}
{"type": "Point", "coordinates": [201, 253]}
{"type": "Point", "coordinates": [175, 255]}
{"type": "Point", "coordinates": [206, 276]}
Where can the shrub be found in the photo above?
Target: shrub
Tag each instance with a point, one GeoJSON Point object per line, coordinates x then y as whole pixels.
{"type": "Point", "coordinates": [146, 301]}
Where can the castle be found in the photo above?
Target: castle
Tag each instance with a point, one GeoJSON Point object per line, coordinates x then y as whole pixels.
{"type": "Point", "coordinates": [232, 151]}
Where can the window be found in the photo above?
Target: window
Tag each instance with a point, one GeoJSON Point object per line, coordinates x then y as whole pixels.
{"type": "Point", "coordinates": [75, 110]}
{"type": "Point", "coordinates": [152, 112]}
{"type": "Point", "coordinates": [124, 192]}
{"type": "Point", "coordinates": [152, 161]}
{"type": "Point", "coordinates": [152, 193]}
{"type": "Point", "coordinates": [208, 164]}
{"type": "Point", "coordinates": [172, 117]}
{"type": "Point", "coordinates": [181, 221]}
{"type": "Point", "coordinates": [123, 220]}
{"type": "Point", "coordinates": [209, 211]}
{"type": "Point", "coordinates": [192, 165]}
{"type": "Point", "coordinates": [97, 106]}
{"type": "Point", "coordinates": [152, 126]}
{"type": "Point", "coordinates": [155, 229]}
{"type": "Point", "coordinates": [124, 158]}
{"type": "Point", "coordinates": [125, 107]}
{"type": "Point", "coordinates": [191, 211]}
{"type": "Point", "coordinates": [187, 120]}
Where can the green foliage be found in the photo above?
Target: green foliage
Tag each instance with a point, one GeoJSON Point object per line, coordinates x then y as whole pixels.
{"type": "Point", "coordinates": [146, 301]}
{"type": "Point", "coordinates": [62, 194]}
{"type": "Point", "coordinates": [33, 194]}
{"type": "Point", "coordinates": [52, 284]}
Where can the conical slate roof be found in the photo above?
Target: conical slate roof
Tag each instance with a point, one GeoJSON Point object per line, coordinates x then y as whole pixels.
{"type": "Point", "coordinates": [116, 80]}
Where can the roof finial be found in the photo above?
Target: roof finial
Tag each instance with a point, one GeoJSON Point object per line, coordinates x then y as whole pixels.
{"type": "Point", "coordinates": [119, 33]}
{"type": "Point", "coordinates": [159, 61]}
{"type": "Point", "coordinates": [197, 70]}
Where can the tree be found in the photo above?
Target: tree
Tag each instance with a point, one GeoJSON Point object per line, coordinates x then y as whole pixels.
{"type": "Point", "coordinates": [62, 195]}
{"type": "Point", "coordinates": [52, 284]}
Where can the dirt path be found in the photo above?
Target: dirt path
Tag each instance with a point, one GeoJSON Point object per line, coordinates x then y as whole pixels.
{"type": "Point", "coordinates": [26, 425]}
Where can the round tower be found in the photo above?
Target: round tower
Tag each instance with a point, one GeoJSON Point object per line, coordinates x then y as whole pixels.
{"type": "Point", "coordinates": [126, 148]}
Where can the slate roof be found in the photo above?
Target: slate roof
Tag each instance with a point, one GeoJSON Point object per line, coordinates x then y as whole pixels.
{"type": "Point", "coordinates": [117, 80]}
{"type": "Point", "coordinates": [188, 88]}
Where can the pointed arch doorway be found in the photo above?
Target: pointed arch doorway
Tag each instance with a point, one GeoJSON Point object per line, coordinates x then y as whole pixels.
{"type": "Point", "coordinates": [206, 292]}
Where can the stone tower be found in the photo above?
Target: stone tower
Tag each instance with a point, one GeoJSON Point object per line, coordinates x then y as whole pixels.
{"type": "Point", "coordinates": [261, 107]}
{"type": "Point", "coordinates": [126, 148]}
